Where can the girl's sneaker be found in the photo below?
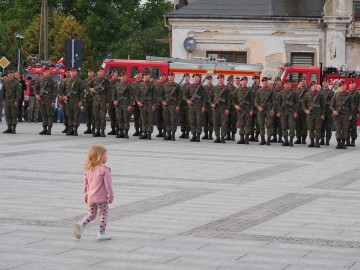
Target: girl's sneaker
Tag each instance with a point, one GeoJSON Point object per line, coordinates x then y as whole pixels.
{"type": "Point", "coordinates": [78, 229]}
{"type": "Point", "coordinates": [103, 236]}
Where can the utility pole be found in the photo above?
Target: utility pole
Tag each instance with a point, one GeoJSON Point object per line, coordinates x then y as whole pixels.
{"type": "Point", "coordinates": [43, 44]}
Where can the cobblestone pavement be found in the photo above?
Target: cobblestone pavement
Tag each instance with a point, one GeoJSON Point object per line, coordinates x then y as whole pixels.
{"type": "Point", "coordinates": [179, 205]}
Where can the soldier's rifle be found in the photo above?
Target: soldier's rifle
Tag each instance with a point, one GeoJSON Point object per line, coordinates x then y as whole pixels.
{"type": "Point", "coordinates": [313, 104]}
{"type": "Point", "coordinates": [123, 93]}
{"type": "Point", "coordinates": [219, 96]}
{"type": "Point", "coordinates": [42, 89]}
{"type": "Point", "coordinates": [343, 104]}
{"type": "Point", "coordinates": [195, 95]}
{"type": "Point", "coordinates": [269, 94]}
{"type": "Point", "coordinates": [244, 98]}
{"type": "Point", "coordinates": [287, 102]}
{"type": "Point", "coordinates": [173, 91]}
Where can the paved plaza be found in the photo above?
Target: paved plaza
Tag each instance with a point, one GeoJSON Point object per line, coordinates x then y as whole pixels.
{"type": "Point", "coordinates": [179, 205]}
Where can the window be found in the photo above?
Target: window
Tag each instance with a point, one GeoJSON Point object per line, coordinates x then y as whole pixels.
{"type": "Point", "coordinates": [235, 57]}
{"type": "Point", "coordinates": [295, 77]}
{"type": "Point", "coordinates": [133, 71]}
{"type": "Point", "coordinates": [302, 59]}
{"type": "Point", "coordinates": [154, 72]}
{"type": "Point", "coordinates": [314, 77]}
{"type": "Point", "coordinates": [119, 69]}
{"type": "Point", "coordinates": [357, 8]}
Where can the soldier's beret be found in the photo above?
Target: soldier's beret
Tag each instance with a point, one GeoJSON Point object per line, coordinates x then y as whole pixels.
{"type": "Point", "coordinates": [303, 78]}
{"type": "Point", "coordinates": [312, 83]}
{"type": "Point", "coordinates": [352, 81]}
{"type": "Point", "coordinates": [220, 76]}
{"type": "Point", "coordinates": [114, 71]}
{"type": "Point", "coordinates": [244, 78]}
{"type": "Point", "coordinates": [196, 74]}
{"type": "Point", "coordinates": [138, 72]}
{"type": "Point", "coordinates": [10, 71]}
{"type": "Point", "coordinates": [237, 78]}
{"type": "Point", "coordinates": [46, 68]}
{"type": "Point", "coordinates": [123, 73]}
{"type": "Point", "coordinates": [146, 72]}
{"type": "Point", "coordinates": [171, 74]}
{"type": "Point", "coordinates": [208, 77]}
{"type": "Point", "coordinates": [277, 79]}
{"type": "Point", "coordinates": [186, 74]}
{"type": "Point", "coordinates": [264, 79]}
{"type": "Point", "coordinates": [255, 77]}
{"type": "Point", "coordinates": [231, 77]}
{"type": "Point", "coordinates": [90, 69]}
{"type": "Point", "coordinates": [100, 68]}
{"type": "Point", "coordinates": [163, 74]}
{"type": "Point", "coordinates": [325, 80]}
{"type": "Point", "coordinates": [287, 81]}
{"type": "Point", "coordinates": [341, 83]}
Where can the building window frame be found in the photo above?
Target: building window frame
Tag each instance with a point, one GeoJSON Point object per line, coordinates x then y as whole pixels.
{"type": "Point", "coordinates": [234, 55]}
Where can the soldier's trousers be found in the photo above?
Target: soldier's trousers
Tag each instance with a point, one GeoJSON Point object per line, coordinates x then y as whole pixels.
{"type": "Point", "coordinates": [314, 125]}
{"type": "Point", "coordinates": [232, 120]}
{"type": "Point", "coordinates": [122, 115]}
{"type": "Point", "coordinates": [342, 126]}
{"type": "Point", "coordinates": [169, 114]}
{"type": "Point", "coordinates": [255, 128]}
{"type": "Point", "coordinates": [326, 126]}
{"type": "Point", "coordinates": [159, 117]}
{"type": "Point", "coordinates": [220, 121]}
{"type": "Point", "coordinates": [288, 123]}
{"type": "Point", "coordinates": [11, 112]}
{"type": "Point", "coordinates": [99, 108]}
{"type": "Point", "coordinates": [73, 113]}
{"type": "Point", "coordinates": [301, 128]}
{"type": "Point", "coordinates": [353, 127]}
{"type": "Point", "coordinates": [147, 115]}
{"type": "Point", "coordinates": [208, 121]}
{"type": "Point", "coordinates": [63, 112]}
{"type": "Point", "coordinates": [33, 113]}
{"type": "Point", "coordinates": [196, 118]}
{"type": "Point", "coordinates": [88, 106]}
{"type": "Point", "coordinates": [46, 113]}
{"type": "Point", "coordinates": [112, 115]}
{"type": "Point", "coordinates": [277, 129]}
{"type": "Point", "coordinates": [244, 120]}
{"type": "Point", "coordinates": [137, 117]}
{"type": "Point", "coordinates": [264, 119]}
{"type": "Point", "coordinates": [184, 117]}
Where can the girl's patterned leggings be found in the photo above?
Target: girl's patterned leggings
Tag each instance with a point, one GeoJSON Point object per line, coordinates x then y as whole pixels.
{"type": "Point", "coordinates": [103, 212]}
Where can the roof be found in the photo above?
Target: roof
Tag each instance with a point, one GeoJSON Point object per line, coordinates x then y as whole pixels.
{"type": "Point", "coordinates": [258, 9]}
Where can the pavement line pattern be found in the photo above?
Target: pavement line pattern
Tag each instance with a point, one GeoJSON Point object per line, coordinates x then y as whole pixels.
{"type": "Point", "coordinates": [253, 216]}
{"type": "Point", "coordinates": [338, 181]}
{"type": "Point", "coordinates": [325, 155]}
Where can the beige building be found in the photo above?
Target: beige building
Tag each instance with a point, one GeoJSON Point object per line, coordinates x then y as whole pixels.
{"type": "Point", "coordinates": [271, 32]}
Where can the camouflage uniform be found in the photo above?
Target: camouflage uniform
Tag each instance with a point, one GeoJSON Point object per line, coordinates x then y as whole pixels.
{"type": "Point", "coordinates": [111, 108]}
{"type": "Point", "coordinates": [46, 88]}
{"type": "Point", "coordinates": [208, 122]}
{"type": "Point", "coordinates": [171, 94]}
{"type": "Point", "coordinates": [326, 124]}
{"type": "Point", "coordinates": [11, 93]}
{"type": "Point", "coordinates": [353, 122]}
{"type": "Point", "coordinates": [159, 111]}
{"type": "Point", "coordinates": [277, 129]}
{"type": "Point", "coordinates": [136, 111]}
{"type": "Point", "coordinates": [301, 129]}
{"type": "Point", "coordinates": [88, 106]}
{"type": "Point", "coordinates": [232, 117]}
{"type": "Point", "coordinates": [220, 96]}
{"type": "Point", "coordinates": [62, 89]}
{"type": "Point", "coordinates": [184, 114]}
{"type": "Point", "coordinates": [314, 102]}
{"type": "Point", "coordinates": [255, 128]}
{"type": "Point", "coordinates": [243, 98]}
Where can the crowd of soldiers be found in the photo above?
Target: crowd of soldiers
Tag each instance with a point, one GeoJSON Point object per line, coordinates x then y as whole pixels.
{"type": "Point", "coordinates": [274, 111]}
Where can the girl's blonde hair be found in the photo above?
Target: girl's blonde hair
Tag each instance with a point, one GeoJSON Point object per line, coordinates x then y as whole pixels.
{"type": "Point", "coordinates": [94, 157]}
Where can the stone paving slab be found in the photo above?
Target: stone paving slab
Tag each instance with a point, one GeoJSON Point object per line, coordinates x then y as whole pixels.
{"type": "Point", "coordinates": [179, 205]}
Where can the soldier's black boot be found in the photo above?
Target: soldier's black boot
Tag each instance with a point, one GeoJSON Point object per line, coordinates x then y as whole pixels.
{"type": "Point", "coordinates": [303, 140]}
{"type": "Point", "coordinates": [222, 140]}
{"type": "Point", "coordinates": [228, 138]}
{"type": "Point", "coordinates": [348, 142]}
{"type": "Point", "coordinates": [352, 142]}
{"type": "Point", "coordinates": [88, 130]}
{"type": "Point", "coordinates": [143, 136]}
{"type": "Point", "coordinates": [280, 140]}
{"type": "Point", "coordinates": [233, 136]}
{"type": "Point", "coordinates": [173, 136]}
{"type": "Point", "coordinates": [268, 140]}
{"type": "Point", "coordinates": [210, 135]}
{"type": "Point", "coordinates": [97, 133]}
{"type": "Point", "coordinates": [246, 139]}
{"type": "Point", "coordinates": [187, 135]}
{"type": "Point", "coordinates": [167, 136]}
{"type": "Point", "coordinates": [291, 142]}
{"type": "Point", "coordinates": [76, 131]}
{"type": "Point", "coordinates": [65, 129]}
{"type": "Point", "coordinates": [256, 139]}
{"type": "Point", "coordinates": [322, 141]}
{"type": "Point", "coordinates": [193, 139]}
{"type": "Point", "coordinates": [102, 133]}
{"type": "Point", "coordinates": [112, 132]}
{"type": "Point", "coordinates": [252, 137]}
{"type": "Point", "coordinates": [93, 130]}
{"type": "Point", "coordinates": [136, 132]}
{"type": "Point", "coordinates": [311, 143]}
{"type": "Point", "coordinates": [242, 140]}
{"type": "Point", "coordinates": [120, 134]}
{"type": "Point", "coordinates": [298, 140]}
{"type": "Point", "coordinates": [262, 142]}
{"type": "Point", "coordinates": [8, 129]}
{"type": "Point", "coordinates": [160, 134]}
{"type": "Point", "coordinates": [286, 142]}
{"type": "Point", "coordinates": [343, 144]}
{"type": "Point", "coordinates": [13, 131]}
{"type": "Point", "coordinates": [205, 137]}
{"type": "Point", "coordinates": [338, 146]}
{"type": "Point", "coordinates": [48, 131]}
{"type": "Point", "coordinates": [182, 136]}
{"type": "Point", "coordinates": [217, 140]}
{"type": "Point", "coordinates": [274, 139]}
{"type": "Point", "coordinates": [126, 134]}
{"type": "Point", "coordinates": [317, 143]}
{"type": "Point", "coordinates": [44, 131]}
{"type": "Point", "coordinates": [198, 137]}
{"type": "Point", "coordinates": [327, 140]}
{"type": "Point", "coordinates": [70, 131]}
{"type": "Point", "coordinates": [148, 135]}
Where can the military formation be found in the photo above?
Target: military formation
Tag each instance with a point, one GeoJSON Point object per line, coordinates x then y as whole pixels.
{"type": "Point", "coordinates": [276, 112]}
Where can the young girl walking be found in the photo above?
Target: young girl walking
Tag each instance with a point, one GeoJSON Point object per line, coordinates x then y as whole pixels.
{"type": "Point", "coordinates": [98, 191]}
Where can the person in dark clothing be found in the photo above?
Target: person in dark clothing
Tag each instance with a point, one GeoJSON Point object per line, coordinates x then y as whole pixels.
{"type": "Point", "coordinates": [21, 100]}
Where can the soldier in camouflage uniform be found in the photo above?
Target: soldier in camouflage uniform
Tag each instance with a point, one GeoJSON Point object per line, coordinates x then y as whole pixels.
{"type": "Point", "coordinates": [353, 123]}
{"type": "Point", "coordinates": [113, 80]}
{"type": "Point", "coordinates": [184, 110]}
{"type": "Point", "coordinates": [277, 130]}
{"type": "Point", "coordinates": [89, 103]}
{"type": "Point", "coordinates": [326, 124]}
{"type": "Point", "coordinates": [208, 122]}
{"type": "Point", "coordinates": [220, 102]}
{"type": "Point", "coordinates": [123, 97]}
{"type": "Point", "coordinates": [10, 94]}
{"type": "Point", "coordinates": [255, 128]}
{"type": "Point", "coordinates": [196, 97]}
{"type": "Point", "coordinates": [341, 106]}
{"type": "Point", "coordinates": [62, 90]}
{"type": "Point", "coordinates": [265, 103]}
{"type": "Point", "coordinates": [301, 129]}
{"type": "Point", "coordinates": [287, 108]}
{"type": "Point", "coordinates": [136, 109]}
{"type": "Point", "coordinates": [243, 104]}
{"type": "Point", "coordinates": [74, 98]}
{"type": "Point", "coordinates": [146, 98]}
{"type": "Point", "coordinates": [170, 96]}
{"type": "Point", "coordinates": [159, 108]}
{"type": "Point", "coordinates": [99, 87]}
{"type": "Point", "coordinates": [313, 106]}
{"type": "Point", "coordinates": [233, 114]}
{"type": "Point", "coordinates": [46, 93]}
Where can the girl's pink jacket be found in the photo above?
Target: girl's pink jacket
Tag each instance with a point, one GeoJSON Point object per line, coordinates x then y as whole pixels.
{"type": "Point", "coordinates": [98, 184]}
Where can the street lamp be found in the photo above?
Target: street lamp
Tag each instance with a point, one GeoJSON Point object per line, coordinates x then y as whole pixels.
{"type": "Point", "coordinates": [19, 38]}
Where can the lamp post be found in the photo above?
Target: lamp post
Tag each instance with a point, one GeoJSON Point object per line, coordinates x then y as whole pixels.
{"type": "Point", "coordinates": [19, 38]}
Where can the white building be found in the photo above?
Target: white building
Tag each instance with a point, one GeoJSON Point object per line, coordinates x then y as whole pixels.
{"type": "Point", "coordinates": [271, 32]}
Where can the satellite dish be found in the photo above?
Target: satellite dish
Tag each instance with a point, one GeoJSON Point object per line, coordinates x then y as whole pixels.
{"type": "Point", "coordinates": [189, 44]}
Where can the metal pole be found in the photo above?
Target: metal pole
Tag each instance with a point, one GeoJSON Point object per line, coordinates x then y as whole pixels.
{"type": "Point", "coordinates": [73, 53]}
{"type": "Point", "coordinates": [18, 67]}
